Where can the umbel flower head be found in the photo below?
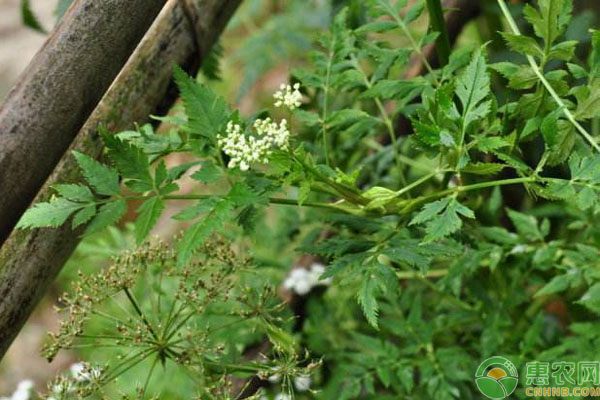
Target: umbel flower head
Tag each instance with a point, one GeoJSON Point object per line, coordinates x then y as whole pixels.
{"type": "Point", "coordinates": [288, 96]}
{"type": "Point", "coordinates": [147, 309]}
{"type": "Point", "coordinates": [245, 150]}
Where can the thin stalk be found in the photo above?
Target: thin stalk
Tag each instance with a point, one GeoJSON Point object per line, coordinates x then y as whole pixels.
{"type": "Point", "coordinates": [272, 200]}
{"type": "Point", "coordinates": [415, 46]}
{"type": "Point", "coordinates": [542, 78]}
{"type": "Point", "coordinates": [138, 310]}
{"type": "Point", "coordinates": [434, 273]}
{"type": "Point", "coordinates": [325, 102]}
{"type": "Point", "coordinates": [417, 183]}
{"type": "Point", "coordinates": [438, 24]}
{"type": "Point", "coordinates": [386, 118]}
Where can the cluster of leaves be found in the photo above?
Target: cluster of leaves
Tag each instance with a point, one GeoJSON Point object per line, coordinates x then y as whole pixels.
{"type": "Point", "coordinates": [456, 210]}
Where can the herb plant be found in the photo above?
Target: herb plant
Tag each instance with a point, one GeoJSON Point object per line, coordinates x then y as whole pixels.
{"type": "Point", "coordinates": [451, 241]}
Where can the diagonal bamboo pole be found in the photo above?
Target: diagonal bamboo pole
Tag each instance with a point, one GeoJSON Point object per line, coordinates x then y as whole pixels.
{"type": "Point", "coordinates": [183, 33]}
{"type": "Point", "coordinates": [59, 89]}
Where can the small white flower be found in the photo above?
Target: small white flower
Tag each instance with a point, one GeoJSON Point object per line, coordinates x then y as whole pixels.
{"type": "Point", "coordinates": [302, 280]}
{"type": "Point", "coordinates": [283, 396]}
{"type": "Point", "coordinates": [302, 383]}
{"type": "Point", "coordinates": [288, 96]}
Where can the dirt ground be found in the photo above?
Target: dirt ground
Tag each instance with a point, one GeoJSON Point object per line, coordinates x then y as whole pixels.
{"type": "Point", "coordinates": [18, 45]}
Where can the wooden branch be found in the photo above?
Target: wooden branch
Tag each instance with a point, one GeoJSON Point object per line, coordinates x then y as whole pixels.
{"type": "Point", "coordinates": [30, 260]}
{"type": "Point", "coordinates": [58, 91]}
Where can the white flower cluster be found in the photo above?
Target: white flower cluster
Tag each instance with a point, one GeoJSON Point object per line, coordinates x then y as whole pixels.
{"type": "Point", "coordinates": [288, 96]}
{"type": "Point", "coordinates": [244, 150]}
{"type": "Point", "coordinates": [23, 391]}
{"type": "Point", "coordinates": [302, 280]}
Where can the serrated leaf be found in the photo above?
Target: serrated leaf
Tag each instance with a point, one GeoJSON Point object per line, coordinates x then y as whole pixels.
{"type": "Point", "coordinates": [564, 51]}
{"type": "Point", "coordinates": [472, 87]}
{"type": "Point", "coordinates": [368, 301]}
{"type": "Point", "coordinates": [84, 215]}
{"type": "Point", "coordinates": [526, 225]}
{"type": "Point", "coordinates": [108, 214]}
{"type": "Point", "coordinates": [78, 193]}
{"type": "Point", "coordinates": [206, 111]}
{"type": "Point", "coordinates": [376, 27]}
{"type": "Point", "coordinates": [102, 179]}
{"type": "Point", "coordinates": [130, 160]}
{"type": "Point", "coordinates": [50, 214]}
{"type": "Point", "coordinates": [148, 213]}
{"type": "Point", "coordinates": [208, 173]}
{"type": "Point", "coordinates": [590, 106]}
{"type": "Point", "coordinates": [557, 284]}
{"type": "Point", "coordinates": [442, 218]}
{"type": "Point", "coordinates": [196, 234]}
{"type": "Point", "coordinates": [522, 44]}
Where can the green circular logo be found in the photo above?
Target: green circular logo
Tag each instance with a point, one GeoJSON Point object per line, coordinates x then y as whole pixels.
{"type": "Point", "coordinates": [496, 378]}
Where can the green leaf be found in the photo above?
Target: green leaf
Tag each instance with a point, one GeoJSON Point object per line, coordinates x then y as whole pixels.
{"type": "Point", "coordinates": [195, 235]}
{"type": "Point", "coordinates": [84, 215]}
{"type": "Point", "coordinates": [564, 51]}
{"type": "Point", "coordinates": [526, 225]}
{"type": "Point", "coordinates": [557, 284]}
{"type": "Point", "coordinates": [103, 179]}
{"type": "Point", "coordinates": [442, 218]}
{"type": "Point", "coordinates": [558, 136]}
{"type": "Point", "coordinates": [483, 168]}
{"type": "Point", "coordinates": [522, 44]}
{"type": "Point", "coordinates": [367, 300]}
{"type": "Point", "coordinates": [376, 27]}
{"type": "Point", "coordinates": [551, 19]}
{"type": "Point", "coordinates": [208, 173]}
{"type": "Point", "coordinates": [79, 193]}
{"type": "Point", "coordinates": [586, 198]}
{"type": "Point", "coordinates": [591, 298]}
{"type": "Point", "coordinates": [148, 213]}
{"type": "Point", "coordinates": [590, 106]}
{"type": "Point", "coordinates": [519, 76]}
{"type": "Point", "coordinates": [206, 111]}
{"type": "Point", "coordinates": [130, 160]}
{"type": "Point", "coordinates": [472, 87]}
{"type": "Point", "coordinates": [29, 18]}
{"type": "Point", "coordinates": [108, 214]}
{"type": "Point", "coordinates": [51, 214]}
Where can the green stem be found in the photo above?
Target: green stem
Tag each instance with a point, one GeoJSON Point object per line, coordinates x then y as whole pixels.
{"type": "Point", "coordinates": [272, 200]}
{"type": "Point", "coordinates": [384, 114]}
{"type": "Point", "coordinates": [434, 273]}
{"type": "Point", "coordinates": [438, 24]}
{"type": "Point", "coordinates": [542, 78]}
{"type": "Point", "coordinates": [417, 183]}
{"type": "Point", "coordinates": [415, 46]}
{"type": "Point", "coordinates": [138, 310]}
{"type": "Point", "coordinates": [476, 186]}
{"type": "Point", "coordinates": [325, 103]}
